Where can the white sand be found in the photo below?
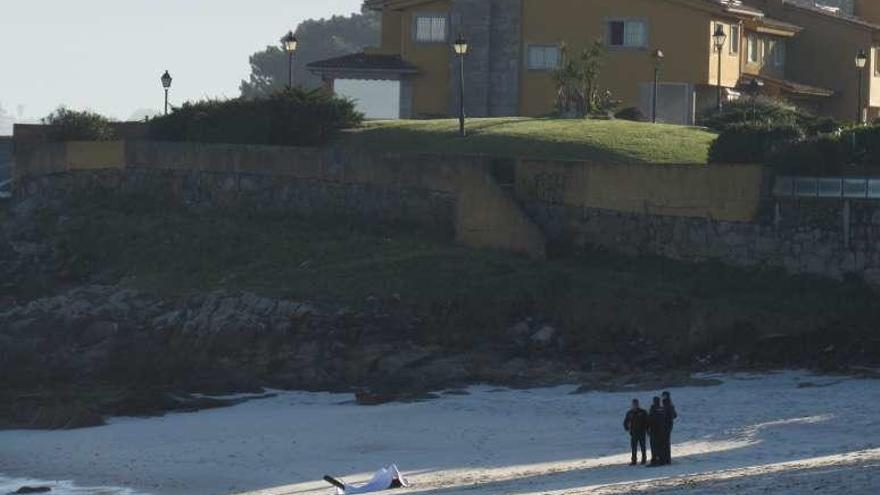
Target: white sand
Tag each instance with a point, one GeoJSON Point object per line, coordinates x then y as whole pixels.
{"type": "Point", "coordinates": [752, 434]}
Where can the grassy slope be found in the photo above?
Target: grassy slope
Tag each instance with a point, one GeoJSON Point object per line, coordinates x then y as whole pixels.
{"type": "Point", "coordinates": [458, 290]}
{"type": "Point", "coordinates": [614, 141]}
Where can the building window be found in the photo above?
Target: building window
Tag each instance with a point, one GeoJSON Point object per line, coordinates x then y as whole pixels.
{"type": "Point", "coordinates": [779, 53]}
{"type": "Point", "coordinates": [734, 40]}
{"type": "Point", "coordinates": [774, 53]}
{"type": "Point", "coordinates": [753, 49]}
{"type": "Point", "coordinates": [430, 28]}
{"type": "Point", "coordinates": [544, 57]}
{"type": "Point", "coordinates": [628, 34]}
{"type": "Point", "coordinates": [877, 61]}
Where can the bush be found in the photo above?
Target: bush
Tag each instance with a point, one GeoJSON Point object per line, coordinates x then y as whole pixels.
{"type": "Point", "coordinates": [865, 143]}
{"type": "Point", "coordinates": [759, 110]}
{"type": "Point", "coordinates": [823, 156]}
{"type": "Point", "coordinates": [830, 154]}
{"type": "Point", "coordinates": [752, 143]}
{"type": "Point", "coordinates": [293, 117]}
{"type": "Point", "coordinates": [630, 113]}
{"type": "Point", "coordinates": [816, 126]}
{"type": "Point", "coordinates": [72, 125]}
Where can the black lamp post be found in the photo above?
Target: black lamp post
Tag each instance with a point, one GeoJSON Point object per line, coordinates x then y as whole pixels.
{"type": "Point", "coordinates": [861, 62]}
{"type": "Point", "coordinates": [290, 44]}
{"type": "Point", "coordinates": [658, 62]}
{"type": "Point", "coordinates": [720, 38]}
{"type": "Point", "coordinates": [166, 83]}
{"type": "Point", "coordinates": [461, 49]}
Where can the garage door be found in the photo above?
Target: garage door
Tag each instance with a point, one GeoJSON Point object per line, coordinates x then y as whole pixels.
{"type": "Point", "coordinates": [375, 99]}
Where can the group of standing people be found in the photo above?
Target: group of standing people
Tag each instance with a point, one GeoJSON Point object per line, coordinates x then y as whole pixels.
{"type": "Point", "coordinates": [656, 424]}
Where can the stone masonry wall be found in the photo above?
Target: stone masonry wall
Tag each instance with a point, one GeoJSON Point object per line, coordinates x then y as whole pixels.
{"type": "Point", "coordinates": [825, 238]}
{"type": "Point", "coordinates": [492, 28]}
{"type": "Point", "coordinates": [433, 211]}
{"type": "Point", "coordinates": [456, 196]}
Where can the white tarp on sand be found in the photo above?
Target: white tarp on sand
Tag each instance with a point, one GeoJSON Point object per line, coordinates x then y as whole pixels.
{"type": "Point", "coordinates": [384, 479]}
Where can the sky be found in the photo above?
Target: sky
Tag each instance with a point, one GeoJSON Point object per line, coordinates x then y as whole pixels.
{"type": "Point", "coordinates": [107, 55]}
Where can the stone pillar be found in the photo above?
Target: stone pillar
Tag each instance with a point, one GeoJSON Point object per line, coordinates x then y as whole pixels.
{"type": "Point", "coordinates": [493, 31]}
{"type": "Point", "coordinates": [506, 58]}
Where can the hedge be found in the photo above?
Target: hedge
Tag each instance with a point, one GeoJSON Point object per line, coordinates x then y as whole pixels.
{"type": "Point", "coordinates": [767, 111]}
{"type": "Point", "coordinates": [72, 125]}
{"type": "Point", "coordinates": [752, 143]}
{"type": "Point", "coordinates": [293, 117]}
{"type": "Point", "coordinates": [830, 154]}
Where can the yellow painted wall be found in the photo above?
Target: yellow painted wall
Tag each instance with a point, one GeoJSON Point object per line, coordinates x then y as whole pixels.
{"type": "Point", "coordinates": [431, 86]}
{"type": "Point", "coordinates": [683, 33]}
{"type": "Point", "coordinates": [391, 32]}
{"type": "Point", "coordinates": [95, 155]}
{"type": "Point", "coordinates": [720, 192]}
{"type": "Point", "coordinates": [823, 55]}
{"type": "Point", "coordinates": [730, 62]}
{"type": "Point", "coordinates": [874, 78]}
{"type": "Point", "coordinates": [868, 10]}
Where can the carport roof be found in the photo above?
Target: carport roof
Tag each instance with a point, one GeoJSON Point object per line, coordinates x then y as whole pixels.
{"type": "Point", "coordinates": [364, 66]}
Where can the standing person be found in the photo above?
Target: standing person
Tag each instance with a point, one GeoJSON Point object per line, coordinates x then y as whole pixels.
{"type": "Point", "coordinates": [636, 423]}
{"type": "Point", "coordinates": [671, 416]}
{"type": "Point", "coordinates": [657, 423]}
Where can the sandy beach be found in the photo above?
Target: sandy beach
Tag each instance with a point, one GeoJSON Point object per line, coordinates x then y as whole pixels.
{"type": "Point", "coordinates": [787, 432]}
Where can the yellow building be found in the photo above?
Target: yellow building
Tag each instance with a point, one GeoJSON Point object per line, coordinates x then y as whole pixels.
{"type": "Point", "coordinates": [793, 48]}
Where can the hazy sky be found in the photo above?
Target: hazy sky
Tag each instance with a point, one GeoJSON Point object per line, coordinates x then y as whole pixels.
{"type": "Point", "coordinates": [108, 55]}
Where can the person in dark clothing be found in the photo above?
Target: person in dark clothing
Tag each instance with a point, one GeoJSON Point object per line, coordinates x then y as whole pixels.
{"type": "Point", "coordinates": [657, 429]}
{"type": "Point", "coordinates": [671, 416]}
{"type": "Point", "coordinates": [636, 423]}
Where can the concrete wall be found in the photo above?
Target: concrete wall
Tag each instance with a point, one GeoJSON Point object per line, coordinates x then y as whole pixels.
{"type": "Point", "coordinates": [722, 192]}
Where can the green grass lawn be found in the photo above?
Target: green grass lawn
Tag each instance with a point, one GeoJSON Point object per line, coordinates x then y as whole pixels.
{"type": "Point", "coordinates": [607, 141]}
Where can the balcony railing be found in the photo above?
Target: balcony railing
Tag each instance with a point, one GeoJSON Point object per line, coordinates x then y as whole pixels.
{"type": "Point", "coordinates": [827, 187]}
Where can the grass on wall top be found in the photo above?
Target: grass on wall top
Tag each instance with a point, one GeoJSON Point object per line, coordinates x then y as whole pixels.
{"type": "Point", "coordinates": [606, 141]}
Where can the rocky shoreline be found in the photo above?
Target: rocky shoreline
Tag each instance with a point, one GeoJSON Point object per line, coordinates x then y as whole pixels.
{"type": "Point", "coordinates": [92, 352]}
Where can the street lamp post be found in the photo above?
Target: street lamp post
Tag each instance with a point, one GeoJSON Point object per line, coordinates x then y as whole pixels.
{"type": "Point", "coordinates": [861, 62]}
{"type": "Point", "coordinates": [290, 44]}
{"type": "Point", "coordinates": [461, 49]}
{"type": "Point", "coordinates": [166, 84]}
{"type": "Point", "coordinates": [720, 38]}
{"type": "Point", "coordinates": [658, 61]}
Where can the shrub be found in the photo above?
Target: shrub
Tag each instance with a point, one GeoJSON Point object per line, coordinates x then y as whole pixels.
{"type": "Point", "coordinates": [865, 143]}
{"type": "Point", "coordinates": [823, 155]}
{"type": "Point", "coordinates": [752, 111]}
{"type": "Point", "coordinates": [630, 113]}
{"type": "Point", "coordinates": [293, 117]}
{"type": "Point", "coordinates": [72, 125]}
{"type": "Point", "coordinates": [752, 143]}
{"type": "Point", "coordinates": [815, 126]}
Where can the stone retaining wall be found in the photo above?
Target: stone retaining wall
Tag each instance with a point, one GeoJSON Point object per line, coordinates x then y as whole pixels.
{"type": "Point", "coordinates": [825, 238]}
{"type": "Point", "coordinates": [450, 195]}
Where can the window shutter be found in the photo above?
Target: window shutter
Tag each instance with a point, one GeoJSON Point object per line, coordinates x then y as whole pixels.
{"type": "Point", "coordinates": [617, 33]}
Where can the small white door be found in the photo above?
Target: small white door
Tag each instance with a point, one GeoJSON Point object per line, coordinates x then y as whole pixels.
{"type": "Point", "coordinates": [375, 99]}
